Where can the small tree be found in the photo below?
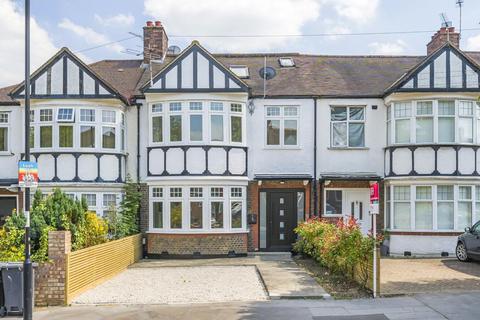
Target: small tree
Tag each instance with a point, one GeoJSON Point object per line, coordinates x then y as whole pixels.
{"type": "Point", "coordinates": [129, 210]}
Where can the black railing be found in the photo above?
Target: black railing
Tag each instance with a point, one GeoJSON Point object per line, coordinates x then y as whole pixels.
{"type": "Point", "coordinates": [390, 150]}
{"type": "Point", "coordinates": [77, 155]}
{"type": "Point", "coordinates": [206, 171]}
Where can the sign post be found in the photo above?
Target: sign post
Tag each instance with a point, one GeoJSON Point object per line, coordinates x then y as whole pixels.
{"type": "Point", "coordinates": [374, 210]}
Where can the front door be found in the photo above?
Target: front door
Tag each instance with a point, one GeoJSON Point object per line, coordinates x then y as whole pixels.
{"type": "Point", "coordinates": [358, 205]}
{"type": "Point", "coordinates": [281, 220]}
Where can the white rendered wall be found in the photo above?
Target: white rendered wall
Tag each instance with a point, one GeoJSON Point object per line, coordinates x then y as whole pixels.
{"type": "Point", "coordinates": [422, 245]}
{"type": "Point", "coordinates": [369, 159]}
{"type": "Point", "coordinates": [279, 160]}
{"type": "Point", "coordinates": [9, 160]}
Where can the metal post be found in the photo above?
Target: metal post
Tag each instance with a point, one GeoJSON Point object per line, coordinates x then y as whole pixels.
{"type": "Point", "coordinates": [374, 255]}
{"type": "Point", "coordinates": [27, 266]}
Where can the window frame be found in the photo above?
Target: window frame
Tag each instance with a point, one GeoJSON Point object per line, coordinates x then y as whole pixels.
{"type": "Point", "coordinates": [348, 121]}
{"type": "Point", "coordinates": [282, 118]}
{"type": "Point", "coordinates": [6, 125]}
{"type": "Point", "coordinates": [65, 120]}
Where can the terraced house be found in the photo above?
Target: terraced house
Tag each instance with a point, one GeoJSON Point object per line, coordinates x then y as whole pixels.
{"type": "Point", "coordinates": [232, 151]}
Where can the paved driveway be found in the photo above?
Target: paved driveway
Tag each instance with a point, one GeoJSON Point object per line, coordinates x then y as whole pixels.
{"type": "Point", "coordinates": [408, 276]}
{"type": "Point", "coordinates": [253, 278]}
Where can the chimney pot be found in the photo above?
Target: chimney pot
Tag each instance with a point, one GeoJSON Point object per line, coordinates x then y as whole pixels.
{"type": "Point", "coordinates": [149, 23]}
{"type": "Point", "coordinates": [158, 24]}
{"type": "Point", "coordinates": [443, 36]}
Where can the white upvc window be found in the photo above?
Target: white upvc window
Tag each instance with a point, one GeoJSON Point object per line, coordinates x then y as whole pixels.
{"type": "Point", "coordinates": [423, 208]}
{"type": "Point", "coordinates": [424, 122]}
{"type": "Point", "coordinates": [109, 116]}
{"type": "Point", "coordinates": [157, 208]}
{"type": "Point", "coordinates": [402, 112]}
{"type": "Point", "coordinates": [446, 121]}
{"type": "Point", "coordinates": [91, 200]}
{"type": "Point", "coordinates": [401, 207]}
{"type": "Point", "coordinates": [347, 126]}
{"type": "Point", "coordinates": [446, 207]}
{"type": "Point", "coordinates": [282, 126]}
{"type": "Point", "coordinates": [465, 121]}
{"type": "Point", "coordinates": [156, 123]}
{"type": "Point", "coordinates": [236, 122]}
{"type": "Point", "coordinates": [4, 131]}
{"type": "Point", "coordinates": [217, 122]}
{"type": "Point", "coordinates": [46, 128]}
{"type": "Point", "coordinates": [175, 122]}
{"type": "Point", "coordinates": [196, 121]}
{"type": "Point", "coordinates": [333, 202]}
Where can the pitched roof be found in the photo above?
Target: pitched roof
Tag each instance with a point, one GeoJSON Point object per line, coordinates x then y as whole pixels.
{"type": "Point", "coordinates": [5, 99]}
{"type": "Point", "coordinates": [313, 75]}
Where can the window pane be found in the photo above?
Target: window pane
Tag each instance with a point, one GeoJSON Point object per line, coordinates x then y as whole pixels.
{"type": "Point", "coordinates": [175, 215]}
{"type": "Point", "coordinates": [446, 129]}
{"type": "Point", "coordinates": [273, 132]}
{"type": "Point", "coordinates": [236, 214]}
{"type": "Point", "coordinates": [464, 215]}
{"type": "Point", "coordinates": [424, 108]}
{"type": "Point", "coordinates": [216, 218]}
{"type": "Point", "coordinates": [401, 215]}
{"type": "Point", "coordinates": [90, 198]}
{"type": "Point", "coordinates": [338, 113]}
{"type": "Point", "coordinates": [333, 202]}
{"type": "Point", "coordinates": [401, 193]}
{"type": "Point", "coordinates": [46, 115]}
{"type": "Point", "coordinates": [465, 108]}
{"type": "Point", "coordinates": [196, 215]}
{"type": "Point", "coordinates": [4, 139]}
{"type": "Point", "coordinates": [445, 192]}
{"type": "Point", "coordinates": [402, 131]}
{"type": "Point", "coordinates": [4, 117]}
{"type": "Point", "coordinates": [65, 136]}
{"type": "Point", "coordinates": [157, 129]}
{"type": "Point", "coordinates": [32, 137]}
{"type": "Point", "coordinates": [465, 129]}
{"type": "Point", "coordinates": [236, 107]}
{"type": "Point", "coordinates": [216, 192]}
{"type": "Point", "coordinates": [290, 111]}
{"type": "Point", "coordinates": [423, 193]}
{"type": "Point", "coordinates": [356, 135]}
{"type": "Point", "coordinates": [273, 111]}
{"type": "Point", "coordinates": [196, 128]}
{"type": "Point", "coordinates": [423, 216]}
{"type": "Point", "coordinates": [87, 137]}
{"type": "Point", "coordinates": [217, 127]}
{"type": "Point", "coordinates": [402, 109]}
{"type": "Point", "coordinates": [445, 215]}
{"type": "Point", "coordinates": [424, 130]}
{"type": "Point", "coordinates": [46, 137]}
{"type": "Point", "coordinates": [339, 134]}
{"type": "Point", "coordinates": [465, 193]}
{"type": "Point", "coordinates": [157, 107]}
{"type": "Point", "coordinates": [158, 215]}
{"type": "Point", "coordinates": [216, 106]}
{"type": "Point", "coordinates": [175, 128]}
{"type": "Point", "coordinates": [195, 106]}
{"type": "Point", "coordinates": [65, 114]}
{"type": "Point", "coordinates": [236, 123]}
{"type": "Point", "coordinates": [446, 108]}
{"type": "Point", "coordinates": [108, 116]}
{"type": "Point", "coordinates": [175, 106]}
{"type": "Point", "coordinates": [87, 115]}
{"type": "Point", "coordinates": [108, 137]}
{"type": "Point", "coordinates": [109, 200]}
{"type": "Point", "coordinates": [357, 113]}
{"type": "Point", "coordinates": [290, 134]}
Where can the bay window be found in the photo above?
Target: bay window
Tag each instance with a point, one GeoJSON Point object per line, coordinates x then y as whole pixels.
{"type": "Point", "coordinates": [446, 121]}
{"type": "Point", "coordinates": [216, 208]}
{"type": "Point", "coordinates": [445, 208]}
{"type": "Point", "coordinates": [465, 121]}
{"type": "Point", "coordinates": [196, 127]}
{"type": "Point", "coordinates": [65, 136]}
{"type": "Point", "coordinates": [176, 211]}
{"type": "Point", "coordinates": [175, 128]}
{"type": "Point", "coordinates": [216, 127]}
{"type": "Point", "coordinates": [464, 218]}
{"type": "Point", "coordinates": [347, 128]}
{"type": "Point", "coordinates": [196, 208]}
{"type": "Point", "coordinates": [46, 137]}
{"type": "Point", "coordinates": [87, 137]}
{"type": "Point", "coordinates": [424, 122]}
{"type": "Point", "coordinates": [108, 137]}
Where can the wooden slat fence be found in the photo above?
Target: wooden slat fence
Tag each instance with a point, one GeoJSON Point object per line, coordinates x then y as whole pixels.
{"type": "Point", "coordinates": [91, 266]}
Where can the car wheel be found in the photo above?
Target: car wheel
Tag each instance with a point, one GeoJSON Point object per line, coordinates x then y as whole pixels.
{"type": "Point", "coordinates": [461, 252]}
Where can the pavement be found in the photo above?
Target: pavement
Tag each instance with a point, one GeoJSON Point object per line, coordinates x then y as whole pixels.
{"type": "Point", "coordinates": [423, 275]}
{"type": "Point", "coordinates": [459, 306]}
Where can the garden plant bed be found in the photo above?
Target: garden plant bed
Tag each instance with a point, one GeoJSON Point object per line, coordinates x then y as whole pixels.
{"type": "Point", "coordinates": [337, 285]}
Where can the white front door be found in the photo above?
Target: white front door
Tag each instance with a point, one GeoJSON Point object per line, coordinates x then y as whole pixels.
{"type": "Point", "coordinates": [358, 205]}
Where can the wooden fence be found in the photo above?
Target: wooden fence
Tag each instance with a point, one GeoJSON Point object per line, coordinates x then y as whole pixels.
{"type": "Point", "coordinates": [91, 266]}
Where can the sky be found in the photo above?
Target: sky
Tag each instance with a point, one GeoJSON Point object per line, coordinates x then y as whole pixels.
{"type": "Point", "coordinates": [83, 25]}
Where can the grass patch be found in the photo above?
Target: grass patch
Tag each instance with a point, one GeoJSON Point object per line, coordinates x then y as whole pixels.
{"type": "Point", "coordinates": [337, 285]}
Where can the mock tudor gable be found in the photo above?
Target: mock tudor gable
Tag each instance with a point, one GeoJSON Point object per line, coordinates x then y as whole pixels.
{"type": "Point", "coordinates": [446, 69]}
{"type": "Point", "coordinates": [195, 70]}
{"type": "Point", "coordinates": [65, 76]}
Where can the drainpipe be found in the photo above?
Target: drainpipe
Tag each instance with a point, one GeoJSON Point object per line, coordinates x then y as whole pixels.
{"type": "Point", "coordinates": [315, 187]}
{"type": "Point", "coordinates": [138, 142]}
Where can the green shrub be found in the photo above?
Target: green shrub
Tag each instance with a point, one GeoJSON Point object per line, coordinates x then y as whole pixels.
{"type": "Point", "coordinates": [340, 247]}
{"type": "Point", "coordinates": [127, 220]}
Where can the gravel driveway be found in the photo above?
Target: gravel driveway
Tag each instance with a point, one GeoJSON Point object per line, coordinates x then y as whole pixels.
{"type": "Point", "coordinates": [177, 285]}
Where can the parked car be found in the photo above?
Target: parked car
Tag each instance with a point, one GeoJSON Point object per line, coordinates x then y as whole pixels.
{"type": "Point", "coordinates": [468, 244]}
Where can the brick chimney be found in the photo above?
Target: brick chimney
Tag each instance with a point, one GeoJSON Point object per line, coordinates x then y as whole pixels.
{"type": "Point", "coordinates": [445, 34]}
{"type": "Point", "coordinates": [155, 41]}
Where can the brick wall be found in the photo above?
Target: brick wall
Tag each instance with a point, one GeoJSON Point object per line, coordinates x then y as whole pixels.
{"type": "Point", "coordinates": [252, 201]}
{"type": "Point", "coordinates": [144, 206]}
{"type": "Point", "coordinates": [50, 276]}
{"type": "Point", "coordinates": [189, 244]}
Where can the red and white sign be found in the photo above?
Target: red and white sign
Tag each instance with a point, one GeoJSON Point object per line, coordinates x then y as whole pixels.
{"type": "Point", "coordinates": [374, 199]}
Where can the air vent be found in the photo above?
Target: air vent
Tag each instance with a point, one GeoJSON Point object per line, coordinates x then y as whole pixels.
{"type": "Point", "coordinates": [240, 71]}
{"type": "Point", "coordinates": [267, 73]}
{"type": "Point", "coordinates": [286, 62]}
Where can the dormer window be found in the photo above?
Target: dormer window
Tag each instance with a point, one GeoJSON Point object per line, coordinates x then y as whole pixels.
{"type": "Point", "coordinates": [286, 62]}
{"type": "Point", "coordinates": [65, 115]}
{"type": "Point", "coordinates": [240, 71]}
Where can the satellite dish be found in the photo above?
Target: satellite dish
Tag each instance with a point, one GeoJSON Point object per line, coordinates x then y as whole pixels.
{"type": "Point", "coordinates": [267, 73]}
{"type": "Point", "coordinates": [174, 50]}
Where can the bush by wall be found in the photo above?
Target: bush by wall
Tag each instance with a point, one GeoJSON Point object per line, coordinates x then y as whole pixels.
{"type": "Point", "coordinates": [340, 247]}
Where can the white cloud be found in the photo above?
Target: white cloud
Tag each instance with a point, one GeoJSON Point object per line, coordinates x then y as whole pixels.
{"type": "Point", "coordinates": [90, 36]}
{"type": "Point", "coordinates": [253, 17]}
{"type": "Point", "coordinates": [12, 45]}
{"type": "Point", "coordinates": [119, 20]}
{"type": "Point", "coordinates": [473, 43]}
{"type": "Point", "coordinates": [358, 11]}
{"type": "Point", "coordinates": [388, 48]}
